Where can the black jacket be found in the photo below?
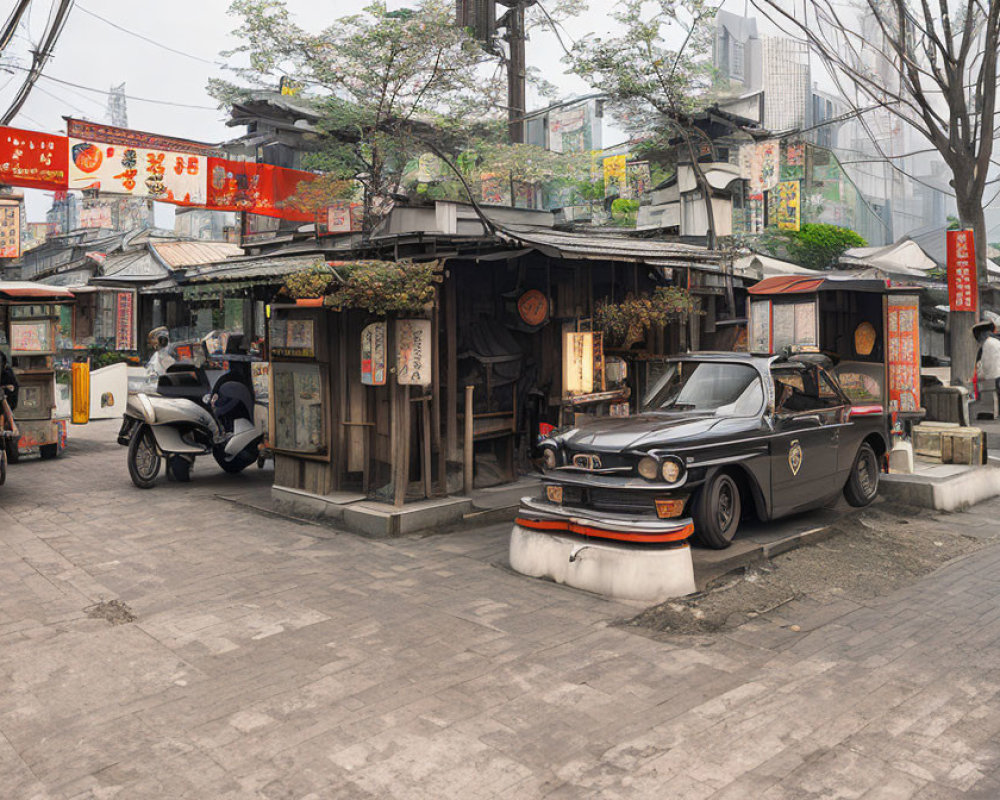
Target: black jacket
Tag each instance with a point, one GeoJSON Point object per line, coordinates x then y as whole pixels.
{"type": "Point", "coordinates": [8, 378]}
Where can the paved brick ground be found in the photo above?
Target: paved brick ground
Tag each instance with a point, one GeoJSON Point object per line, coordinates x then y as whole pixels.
{"type": "Point", "coordinates": [278, 660]}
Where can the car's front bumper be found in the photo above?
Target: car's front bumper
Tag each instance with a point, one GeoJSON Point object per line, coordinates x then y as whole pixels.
{"type": "Point", "coordinates": [553, 518]}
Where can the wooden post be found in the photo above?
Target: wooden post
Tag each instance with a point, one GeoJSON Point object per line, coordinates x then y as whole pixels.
{"type": "Point", "coordinates": [401, 452]}
{"type": "Point", "coordinates": [425, 461]}
{"type": "Point", "coordinates": [436, 444]}
{"type": "Point", "coordinates": [467, 464]}
{"type": "Point", "coordinates": [451, 388]}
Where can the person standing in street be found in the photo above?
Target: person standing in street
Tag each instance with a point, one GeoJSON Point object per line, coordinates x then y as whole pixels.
{"type": "Point", "coordinates": [989, 354]}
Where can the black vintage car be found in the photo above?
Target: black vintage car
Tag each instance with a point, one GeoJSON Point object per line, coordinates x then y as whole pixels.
{"type": "Point", "coordinates": [721, 436]}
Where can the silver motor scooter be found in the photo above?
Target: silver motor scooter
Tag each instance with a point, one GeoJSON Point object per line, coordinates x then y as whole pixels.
{"type": "Point", "coordinates": [186, 418]}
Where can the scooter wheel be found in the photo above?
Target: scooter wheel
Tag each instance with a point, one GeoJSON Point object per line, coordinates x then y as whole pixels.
{"type": "Point", "coordinates": [3, 466]}
{"type": "Point", "coordinates": [143, 458]}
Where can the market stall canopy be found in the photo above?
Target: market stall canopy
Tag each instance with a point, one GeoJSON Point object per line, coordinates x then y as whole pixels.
{"type": "Point", "coordinates": [27, 290]}
{"type": "Point", "coordinates": [760, 266]}
{"type": "Point", "coordinates": [904, 257]}
{"type": "Point", "coordinates": [611, 247]}
{"type": "Point", "coordinates": [827, 282]}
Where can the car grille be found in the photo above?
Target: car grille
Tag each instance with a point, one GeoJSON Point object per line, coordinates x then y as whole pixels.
{"type": "Point", "coordinates": [616, 500]}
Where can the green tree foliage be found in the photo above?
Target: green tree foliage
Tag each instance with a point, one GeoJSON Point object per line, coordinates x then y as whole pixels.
{"type": "Point", "coordinates": [657, 72]}
{"type": "Point", "coordinates": [379, 80]}
{"type": "Point", "coordinates": [815, 245]}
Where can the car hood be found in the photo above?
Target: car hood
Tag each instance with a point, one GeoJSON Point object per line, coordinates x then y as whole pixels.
{"type": "Point", "coordinates": [645, 431]}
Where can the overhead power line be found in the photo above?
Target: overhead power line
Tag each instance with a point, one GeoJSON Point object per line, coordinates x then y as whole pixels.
{"type": "Point", "coordinates": [127, 96]}
{"type": "Point", "coordinates": [12, 23]}
{"type": "Point", "coordinates": [147, 39]}
{"type": "Point", "coordinates": [40, 57]}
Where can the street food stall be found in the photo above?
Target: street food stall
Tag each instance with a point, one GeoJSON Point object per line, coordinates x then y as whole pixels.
{"type": "Point", "coordinates": [29, 335]}
{"type": "Point", "coordinates": [869, 327]}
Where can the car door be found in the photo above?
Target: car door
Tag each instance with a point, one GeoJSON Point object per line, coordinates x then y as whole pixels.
{"type": "Point", "coordinates": [804, 447]}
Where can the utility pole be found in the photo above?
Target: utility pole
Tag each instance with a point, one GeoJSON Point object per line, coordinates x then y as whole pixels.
{"type": "Point", "coordinates": [479, 16]}
{"type": "Point", "coordinates": [513, 21]}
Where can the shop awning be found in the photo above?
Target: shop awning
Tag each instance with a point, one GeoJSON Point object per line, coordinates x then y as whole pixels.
{"type": "Point", "coordinates": [611, 247]}
{"type": "Point", "coordinates": [26, 290]}
{"type": "Point", "coordinates": [830, 282]}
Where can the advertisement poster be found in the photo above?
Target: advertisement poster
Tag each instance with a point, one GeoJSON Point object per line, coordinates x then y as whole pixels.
{"type": "Point", "coordinates": [96, 217]}
{"type": "Point", "coordinates": [495, 189]}
{"type": "Point", "coordinates": [124, 321]}
{"type": "Point", "coordinates": [578, 363]}
{"type": "Point", "coordinates": [413, 354]}
{"type": "Point", "coordinates": [639, 178]}
{"type": "Point", "coordinates": [292, 338]}
{"type": "Point", "coordinates": [789, 205]}
{"type": "Point", "coordinates": [169, 176]}
{"type": "Point", "coordinates": [614, 176]}
{"type": "Point", "coordinates": [769, 163]}
{"type": "Point", "coordinates": [566, 130]}
{"type": "Point", "coordinates": [32, 160]}
{"type": "Point", "coordinates": [904, 352]}
{"type": "Point", "coordinates": [10, 229]}
{"type": "Point", "coordinates": [373, 354]}
{"type": "Point", "coordinates": [963, 284]}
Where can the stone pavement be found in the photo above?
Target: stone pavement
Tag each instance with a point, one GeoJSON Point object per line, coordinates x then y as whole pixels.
{"type": "Point", "coordinates": [272, 659]}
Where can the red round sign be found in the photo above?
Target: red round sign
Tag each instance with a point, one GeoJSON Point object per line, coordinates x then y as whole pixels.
{"type": "Point", "coordinates": [533, 306]}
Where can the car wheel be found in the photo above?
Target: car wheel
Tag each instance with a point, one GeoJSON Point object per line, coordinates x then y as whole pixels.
{"type": "Point", "coordinates": [143, 459]}
{"type": "Point", "coordinates": [13, 454]}
{"type": "Point", "coordinates": [717, 511]}
{"type": "Point", "coordinates": [3, 466]}
{"type": "Point", "coordinates": [862, 486]}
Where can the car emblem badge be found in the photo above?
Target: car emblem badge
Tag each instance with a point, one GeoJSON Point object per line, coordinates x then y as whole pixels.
{"type": "Point", "coordinates": [795, 456]}
{"type": "Point", "coordinates": [587, 461]}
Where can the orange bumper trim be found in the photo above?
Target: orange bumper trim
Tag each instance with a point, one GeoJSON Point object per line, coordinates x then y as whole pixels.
{"type": "Point", "coordinates": [600, 533]}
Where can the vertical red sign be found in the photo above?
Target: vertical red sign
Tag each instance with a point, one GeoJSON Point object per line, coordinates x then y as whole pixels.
{"type": "Point", "coordinates": [963, 285]}
{"type": "Point", "coordinates": [123, 328]}
{"type": "Point", "coordinates": [903, 337]}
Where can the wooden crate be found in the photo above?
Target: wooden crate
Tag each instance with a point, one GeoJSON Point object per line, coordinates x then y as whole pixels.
{"type": "Point", "coordinates": [963, 446]}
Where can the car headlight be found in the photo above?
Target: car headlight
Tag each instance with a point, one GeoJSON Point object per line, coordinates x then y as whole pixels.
{"type": "Point", "coordinates": [671, 471]}
{"type": "Point", "coordinates": [549, 458]}
{"type": "Point", "coordinates": [649, 468]}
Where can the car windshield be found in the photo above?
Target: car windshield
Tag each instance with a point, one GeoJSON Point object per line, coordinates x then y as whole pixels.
{"type": "Point", "coordinates": [714, 387]}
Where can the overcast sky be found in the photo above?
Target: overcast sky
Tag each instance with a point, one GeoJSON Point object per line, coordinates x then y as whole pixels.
{"type": "Point", "coordinates": [92, 53]}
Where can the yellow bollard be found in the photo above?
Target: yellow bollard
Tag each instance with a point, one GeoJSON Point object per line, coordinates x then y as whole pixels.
{"type": "Point", "coordinates": [80, 393]}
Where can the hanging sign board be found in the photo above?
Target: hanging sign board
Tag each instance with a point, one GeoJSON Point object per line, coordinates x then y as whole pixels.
{"type": "Point", "coordinates": [31, 159]}
{"type": "Point", "coordinates": [413, 352]}
{"type": "Point", "coordinates": [904, 352]}
{"type": "Point", "coordinates": [578, 363]}
{"type": "Point", "coordinates": [533, 308]}
{"type": "Point", "coordinates": [125, 322]}
{"type": "Point", "coordinates": [373, 361]}
{"type": "Point", "coordinates": [963, 285]}
{"type": "Point", "coordinates": [10, 229]}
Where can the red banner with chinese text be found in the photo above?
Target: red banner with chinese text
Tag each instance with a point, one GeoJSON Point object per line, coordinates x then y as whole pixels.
{"type": "Point", "coordinates": [259, 189]}
{"type": "Point", "coordinates": [903, 338]}
{"type": "Point", "coordinates": [963, 283]}
{"type": "Point", "coordinates": [33, 160]}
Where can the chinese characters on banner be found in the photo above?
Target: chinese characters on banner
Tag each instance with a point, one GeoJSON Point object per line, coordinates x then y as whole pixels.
{"type": "Point", "coordinates": [904, 353]}
{"type": "Point", "coordinates": [124, 322]}
{"type": "Point", "coordinates": [963, 286]}
{"type": "Point", "coordinates": [10, 229]}
{"type": "Point", "coordinates": [789, 205]}
{"type": "Point", "coordinates": [123, 161]}
{"type": "Point", "coordinates": [373, 360]}
{"type": "Point", "coordinates": [413, 353]}
{"type": "Point", "coordinates": [164, 175]}
{"type": "Point", "coordinates": [32, 160]}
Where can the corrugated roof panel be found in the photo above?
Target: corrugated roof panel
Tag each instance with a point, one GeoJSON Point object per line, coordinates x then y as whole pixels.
{"type": "Point", "coordinates": [191, 254]}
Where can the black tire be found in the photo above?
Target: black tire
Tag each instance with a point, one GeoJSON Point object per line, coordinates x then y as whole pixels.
{"type": "Point", "coordinates": [3, 466]}
{"type": "Point", "coordinates": [143, 458]}
{"type": "Point", "coordinates": [717, 510]}
{"type": "Point", "coordinates": [13, 454]}
{"type": "Point", "coordinates": [862, 485]}
{"type": "Point", "coordinates": [48, 451]}
{"type": "Point", "coordinates": [179, 469]}
{"type": "Point", "coordinates": [239, 462]}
